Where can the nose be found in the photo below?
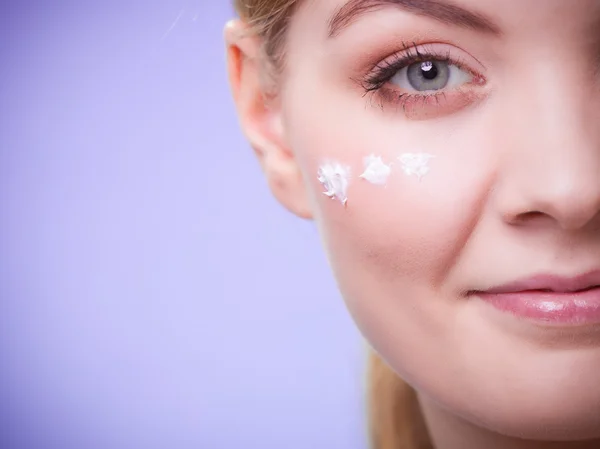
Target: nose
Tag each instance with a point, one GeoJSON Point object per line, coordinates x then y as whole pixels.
{"type": "Point", "coordinates": [550, 165]}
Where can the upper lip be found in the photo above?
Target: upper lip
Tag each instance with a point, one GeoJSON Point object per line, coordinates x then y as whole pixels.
{"type": "Point", "coordinates": [550, 283]}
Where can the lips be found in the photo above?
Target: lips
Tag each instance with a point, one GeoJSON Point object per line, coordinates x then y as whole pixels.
{"type": "Point", "coordinates": [549, 299]}
{"type": "Point", "coordinates": [551, 284]}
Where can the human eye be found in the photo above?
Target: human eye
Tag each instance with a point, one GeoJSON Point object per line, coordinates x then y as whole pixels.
{"type": "Point", "coordinates": [425, 81]}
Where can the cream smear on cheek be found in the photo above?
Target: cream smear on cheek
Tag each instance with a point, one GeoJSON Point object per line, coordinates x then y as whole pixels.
{"type": "Point", "coordinates": [416, 164]}
{"type": "Point", "coordinates": [336, 177]}
{"type": "Point", "coordinates": [376, 171]}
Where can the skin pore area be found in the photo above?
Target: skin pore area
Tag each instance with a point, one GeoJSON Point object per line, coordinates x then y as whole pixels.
{"type": "Point", "coordinates": [512, 191]}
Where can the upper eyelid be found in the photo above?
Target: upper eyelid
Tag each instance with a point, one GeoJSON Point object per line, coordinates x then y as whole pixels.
{"type": "Point", "coordinates": [433, 49]}
{"type": "Point", "coordinates": [408, 59]}
{"type": "Point", "coordinates": [417, 52]}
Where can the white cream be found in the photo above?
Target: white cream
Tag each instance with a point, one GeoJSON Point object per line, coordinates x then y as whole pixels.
{"type": "Point", "coordinates": [335, 177]}
{"type": "Point", "coordinates": [376, 171]}
{"type": "Point", "coordinates": [415, 164]}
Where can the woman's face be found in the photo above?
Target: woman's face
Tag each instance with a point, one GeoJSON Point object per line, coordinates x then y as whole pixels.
{"type": "Point", "coordinates": [506, 98]}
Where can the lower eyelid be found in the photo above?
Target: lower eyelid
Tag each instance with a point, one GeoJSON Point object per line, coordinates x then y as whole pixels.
{"type": "Point", "coordinates": [423, 106]}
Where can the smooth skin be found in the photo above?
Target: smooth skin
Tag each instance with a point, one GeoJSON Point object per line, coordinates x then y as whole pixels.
{"type": "Point", "coordinates": [513, 191]}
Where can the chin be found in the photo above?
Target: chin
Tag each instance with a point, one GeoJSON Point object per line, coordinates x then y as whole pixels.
{"type": "Point", "coordinates": [535, 410]}
{"type": "Point", "coordinates": [565, 422]}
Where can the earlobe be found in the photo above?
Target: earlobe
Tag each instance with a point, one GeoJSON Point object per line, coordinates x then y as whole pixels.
{"type": "Point", "coordinates": [260, 118]}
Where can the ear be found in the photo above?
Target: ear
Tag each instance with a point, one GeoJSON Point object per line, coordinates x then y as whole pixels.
{"type": "Point", "coordinates": [261, 119]}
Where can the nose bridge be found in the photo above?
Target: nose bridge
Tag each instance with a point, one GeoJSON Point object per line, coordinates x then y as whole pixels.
{"type": "Point", "coordinates": [554, 156]}
{"type": "Point", "coordinates": [561, 102]}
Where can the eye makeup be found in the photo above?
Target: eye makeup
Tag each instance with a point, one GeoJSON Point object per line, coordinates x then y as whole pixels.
{"type": "Point", "coordinates": [425, 81]}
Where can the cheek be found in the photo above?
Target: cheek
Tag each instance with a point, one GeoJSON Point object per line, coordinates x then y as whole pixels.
{"type": "Point", "coordinates": [401, 237]}
{"type": "Point", "coordinates": [408, 229]}
{"type": "Point", "coordinates": [391, 250]}
{"type": "Point", "coordinates": [391, 246]}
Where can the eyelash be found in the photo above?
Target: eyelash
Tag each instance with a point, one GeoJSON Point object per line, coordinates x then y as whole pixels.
{"type": "Point", "coordinates": [375, 81]}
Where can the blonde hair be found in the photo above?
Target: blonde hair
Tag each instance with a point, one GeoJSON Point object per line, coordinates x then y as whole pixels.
{"type": "Point", "coordinates": [394, 416]}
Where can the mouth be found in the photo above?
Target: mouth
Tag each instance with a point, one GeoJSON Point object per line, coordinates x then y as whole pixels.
{"type": "Point", "coordinates": [549, 299]}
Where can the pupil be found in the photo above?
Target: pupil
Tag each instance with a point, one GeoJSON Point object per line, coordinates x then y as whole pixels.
{"type": "Point", "coordinates": [429, 70]}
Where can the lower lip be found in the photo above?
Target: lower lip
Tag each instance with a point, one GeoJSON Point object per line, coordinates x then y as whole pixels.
{"type": "Point", "coordinates": [573, 308]}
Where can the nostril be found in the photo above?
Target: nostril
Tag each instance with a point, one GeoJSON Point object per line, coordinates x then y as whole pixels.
{"type": "Point", "coordinates": [527, 217]}
{"type": "Point", "coordinates": [534, 214]}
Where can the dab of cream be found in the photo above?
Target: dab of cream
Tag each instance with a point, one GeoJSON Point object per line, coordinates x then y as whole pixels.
{"type": "Point", "coordinates": [335, 178]}
{"type": "Point", "coordinates": [415, 164]}
{"type": "Point", "coordinates": [376, 171]}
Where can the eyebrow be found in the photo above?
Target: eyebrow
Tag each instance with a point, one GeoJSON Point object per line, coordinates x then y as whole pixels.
{"type": "Point", "coordinates": [442, 11]}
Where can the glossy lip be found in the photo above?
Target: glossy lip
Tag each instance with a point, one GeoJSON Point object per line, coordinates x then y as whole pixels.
{"type": "Point", "coordinates": [549, 299]}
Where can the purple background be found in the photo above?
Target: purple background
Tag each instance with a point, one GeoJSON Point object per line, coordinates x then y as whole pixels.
{"type": "Point", "coordinates": [153, 294]}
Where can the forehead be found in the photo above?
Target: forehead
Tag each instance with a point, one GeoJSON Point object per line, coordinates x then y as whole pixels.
{"type": "Point", "coordinates": [315, 16]}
